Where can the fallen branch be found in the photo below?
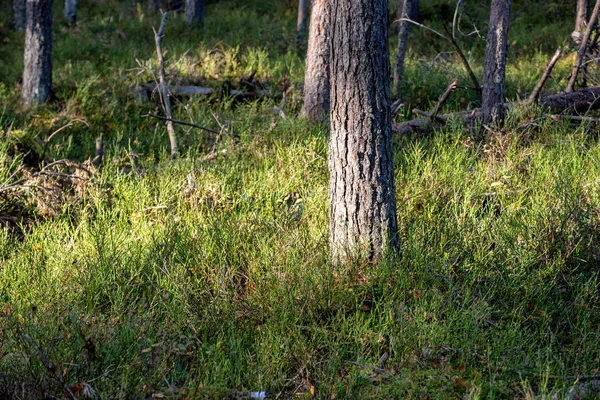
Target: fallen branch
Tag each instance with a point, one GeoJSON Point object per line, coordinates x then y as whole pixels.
{"type": "Point", "coordinates": [463, 58]}
{"type": "Point", "coordinates": [189, 91]}
{"type": "Point", "coordinates": [443, 99]}
{"type": "Point", "coordinates": [50, 367]}
{"type": "Point", "coordinates": [583, 48]}
{"type": "Point", "coordinates": [176, 121]}
{"type": "Point", "coordinates": [538, 88]}
{"type": "Point", "coordinates": [163, 89]}
{"type": "Point", "coordinates": [582, 100]}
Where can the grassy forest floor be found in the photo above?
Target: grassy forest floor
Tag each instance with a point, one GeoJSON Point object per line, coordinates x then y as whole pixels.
{"type": "Point", "coordinates": [209, 277]}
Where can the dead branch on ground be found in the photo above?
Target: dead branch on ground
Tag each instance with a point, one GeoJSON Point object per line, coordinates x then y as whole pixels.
{"type": "Point", "coordinates": [538, 88]}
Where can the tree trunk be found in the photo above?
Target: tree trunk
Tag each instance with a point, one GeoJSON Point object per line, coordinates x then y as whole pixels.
{"type": "Point", "coordinates": [496, 50]}
{"type": "Point", "coordinates": [37, 74]}
{"type": "Point", "coordinates": [154, 5]}
{"type": "Point", "coordinates": [194, 12]}
{"type": "Point", "coordinates": [18, 14]}
{"type": "Point", "coordinates": [404, 11]}
{"type": "Point", "coordinates": [71, 11]}
{"type": "Point", "coordinates": [361, 184]}
{"type": "Point", "coordinates": [581, 16]}
{"type": "Point", "coordinates": [302, 16]}
{"type": "Point", "coordinates": [316, 79]}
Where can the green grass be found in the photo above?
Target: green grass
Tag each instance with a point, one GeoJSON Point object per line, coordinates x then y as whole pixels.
{"type": "Point", "coordinates": [206, 279]}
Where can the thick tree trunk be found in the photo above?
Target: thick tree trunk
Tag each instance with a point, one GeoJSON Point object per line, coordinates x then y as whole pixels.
{"type": "Point", "coordinates": [18, 14]}
{"type": "Point", "coordinates": [194, 12]}
{"type": "Point", "coordinates": [316, 79]}
{"type": "Point", "coordinates": [37, 74]}
{"type": "Point", "coordinates": [404, 11]}
{"type": "Point", "coordinates": [302, 16]}
{"type": "Point", "coordinates": [361, 184]}
{"type": "Point", "coordinates": [71, 11]}
{"type": "Point", "coordinates": [496, 50]}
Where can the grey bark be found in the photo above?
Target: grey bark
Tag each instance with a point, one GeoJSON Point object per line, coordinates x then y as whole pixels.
{"type": "Point", "coordinates": [496, 50]}
{"type": "Point", "coordinates": [70, 11]}
{"type": "Point", "coordinates": [316, 79]}
{"type": "Point", "coordinates": [18, 14]}
{"type": "Point", "coordinates": [583, 47]}
{"type": "Point", "coordinates": [581, 15]}
{"type": "Point", "coordinates": [37, 74]}
{"type": "Point", "coordinates": [404, 11]}
{"type": "Point", "coordinates": [361, 184]}
{"type": "Point", "coordinates": [302, 16]}
{"type": "Point", "coordinates": [194, 12]}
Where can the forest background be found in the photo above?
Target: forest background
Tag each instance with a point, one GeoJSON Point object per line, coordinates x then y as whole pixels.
{"type": "Point", "coordinates": [210, 275]}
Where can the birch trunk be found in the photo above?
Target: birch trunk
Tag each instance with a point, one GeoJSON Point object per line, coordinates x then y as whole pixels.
{"type": "Point", "coordinates": [194, 12]}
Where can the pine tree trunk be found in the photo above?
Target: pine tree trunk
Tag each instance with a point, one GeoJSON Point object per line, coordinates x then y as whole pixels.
{"type": "Point", "coordinates": [404, 11]}
{"type": "Point", "coordinates": [302, 17]}
{"type": "Point", "coordinates": [581, 16]}
{"type": "Point", "coordinates": [316, 79]}
{"type": "Point", "coordinates": [18, 14]}
{"type": "Point", "coordinates": [71, 11]}
{"type": "Point", "coordinates": [194, 12]}
{"type": "Point", "coordinates": [361, 184]}
{"type": "Point", "coordinates": [496, 50]}
{"type": "Point", "coordinates": [37, 74]}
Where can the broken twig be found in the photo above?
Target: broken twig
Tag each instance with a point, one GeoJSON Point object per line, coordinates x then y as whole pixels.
{"type": "Point", "coordinates": [538, 88]}
{"type": "Point", "coordinates": [443, 99]}
{"type": "Point", "coordinates": [176, 121]}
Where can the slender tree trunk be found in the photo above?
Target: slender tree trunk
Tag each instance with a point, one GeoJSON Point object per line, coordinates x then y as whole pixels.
{"type": "Point", "coordinates": [361, 184]}
{"type": "Point", "coordinates": [302, 17]}
{"type": "Point", "coordinates": [496, 50]}
{"type": "Point", "coordinates": [581, 16]}
{"type": "Point", "coordinates": [404, 11]}
{"type": "Point", "coordinates": [18, 14]}
{"type": "Point", "coordinates": [316, 79]}
{"type": "Point", "coordinates": [194, 12]}
{"type": "Point", "coordinates": [37, 74]}
{"type": "Point", "coordinates": [154, 5]}
{"type": "Point", "coordinates": [71, 11]}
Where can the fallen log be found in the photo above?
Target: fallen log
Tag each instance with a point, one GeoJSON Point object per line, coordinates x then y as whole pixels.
{"type": "Point", "coordinates": [582, 100]}
{"type": "Point", "coordinates": [189, 91]}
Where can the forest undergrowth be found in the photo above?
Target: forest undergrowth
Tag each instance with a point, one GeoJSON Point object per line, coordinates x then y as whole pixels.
{"type": "Point", "coordinates": [209, 276]}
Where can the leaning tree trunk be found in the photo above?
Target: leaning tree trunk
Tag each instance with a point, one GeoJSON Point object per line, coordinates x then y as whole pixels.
{"type": "Point", "coordinates": [18, 14]}
{"type": "Point", "coordinates": [316, 79]}
{"type": "Point", "coordinates": [37, 74]}
{"type": "Point", "coordinates": [496, 50]}
{"type": "Point", "coordinates": [302, 17]}
{"type": "Point", "coordinates": [404, 11]}
{"type": "Point", "coordinates": [71, 11]}
{"type": "Point", "coordinates": [361, 183]}
{"type": "Point", "coordinates": [194, 12]}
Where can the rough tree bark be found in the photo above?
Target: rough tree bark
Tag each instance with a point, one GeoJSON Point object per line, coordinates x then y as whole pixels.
{"type": "Point", "coordinates": [70, 11]}
{"type": "Point", "coordinates": [18, 14]}
{"type": "Point", "coordinates": [302, 17]}
{"type": "Point", "coordinates": [404, 11]}
{"type": "Point", "coordinates": [316, 79]}
{"type": "Point", "coordinates": [37, 74]}
{"type": "Point", "coordinates": [194, 12]}
{"type": "Point", "coordinates": [361, 184]}
{"type": "Point", "coordinates": [496, 50]}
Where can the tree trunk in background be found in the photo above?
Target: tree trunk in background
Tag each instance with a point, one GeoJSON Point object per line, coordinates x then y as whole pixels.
{"type": "Point", "coordinates": [154, 5]}
{"type": "Point", "coordinates": [194, 12]}
{"type": "Point", "coordinates": [495, 63]}
{"type": "Point", "coordinates": [404, 11]}
{"type": "Point", "coordinates": [302, 16]}
{"type": "Point", "coordinates": [71, 11]}
{"type": "Point", "coordinates": [37, 74]}
{"type": "Point", "coordinates": [361, 183]}
{"type": "Point", "coordinates": [18, 14]}
{"type": "Point", "coordinates": [581, 16]}
{"type": "Point", "coordinates": [316, 79]}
